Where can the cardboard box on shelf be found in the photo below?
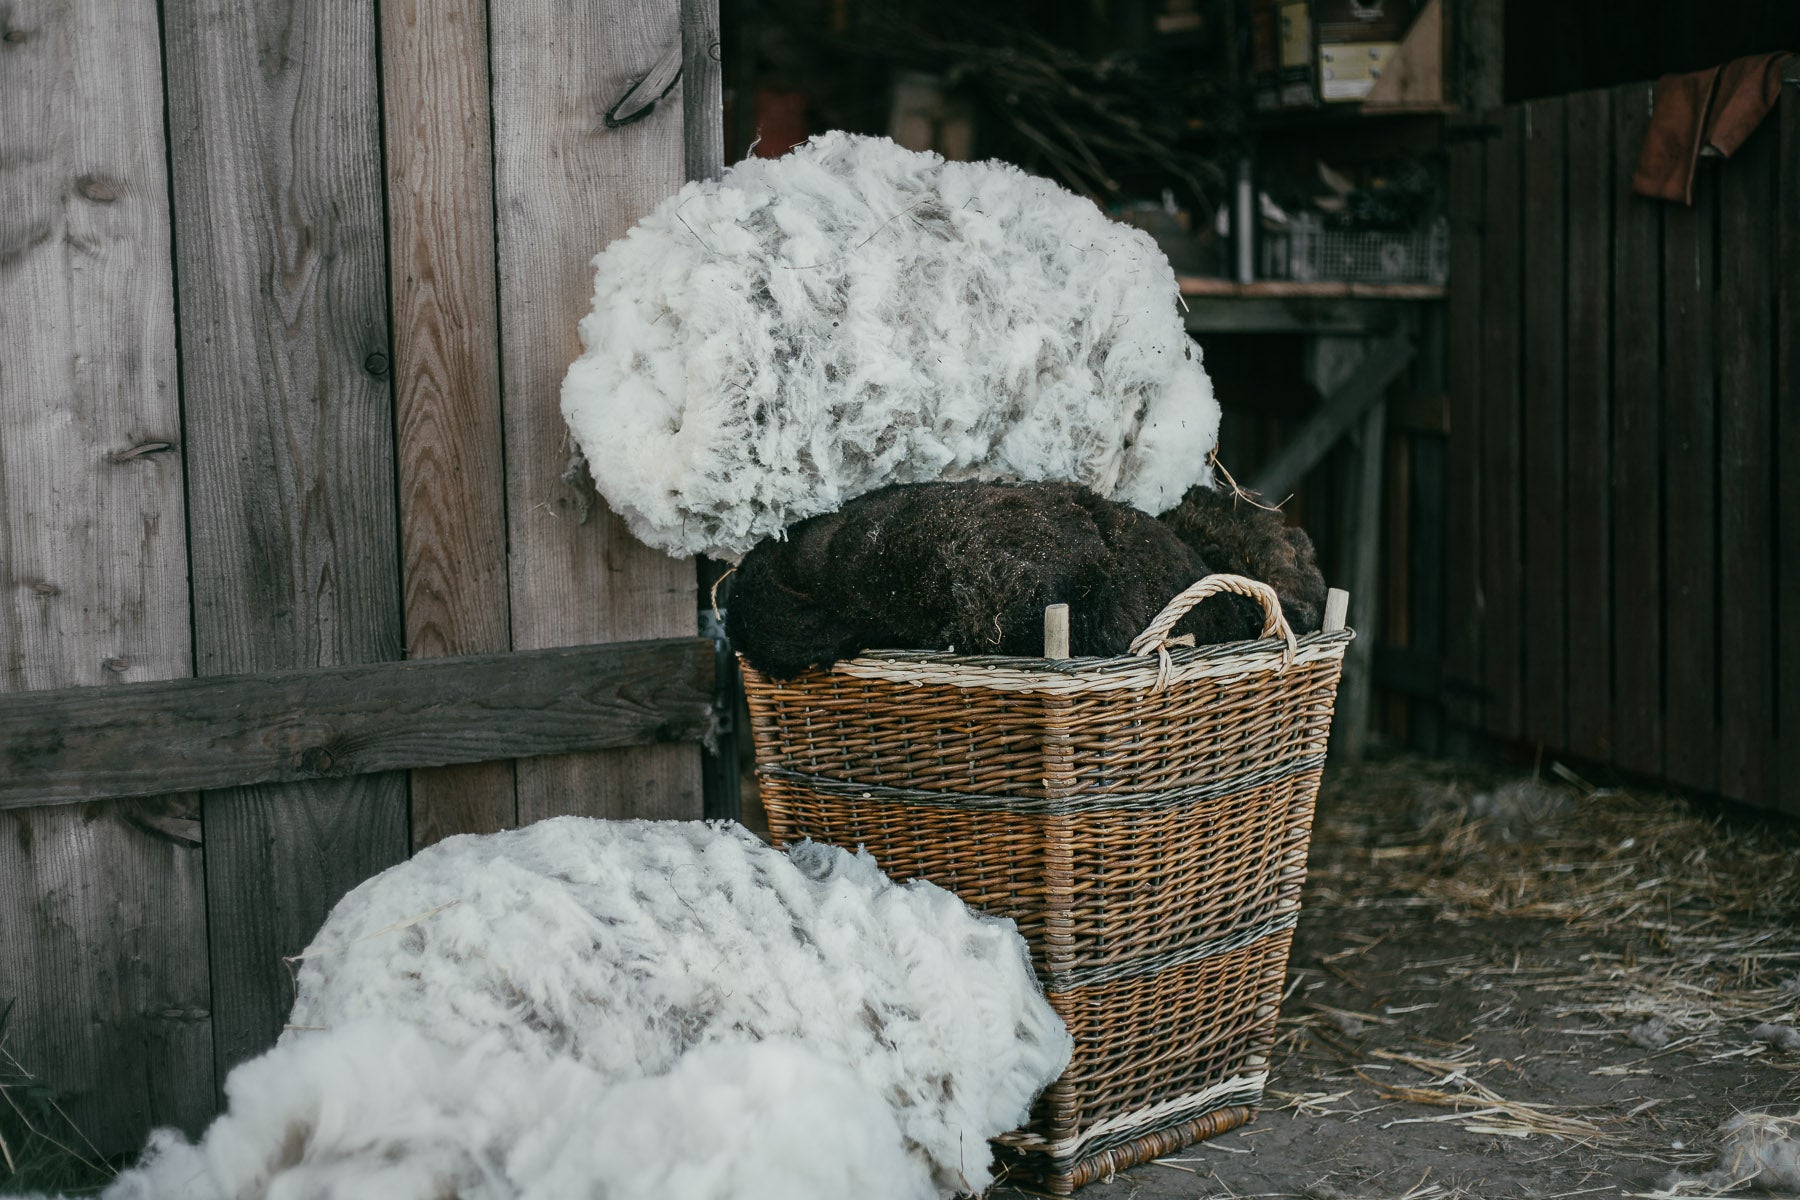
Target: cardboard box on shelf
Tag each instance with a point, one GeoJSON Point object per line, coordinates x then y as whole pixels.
{"type": "Point", "coordinates": [1348, 71]}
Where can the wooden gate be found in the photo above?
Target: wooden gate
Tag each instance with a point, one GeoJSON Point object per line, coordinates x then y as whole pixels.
{"type": "Point", "coordinates": [1623, 544]}
{"type": "Point", "coordinates": [286, 294]}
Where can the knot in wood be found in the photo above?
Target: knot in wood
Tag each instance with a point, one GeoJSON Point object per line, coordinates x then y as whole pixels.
{"type": "Point", "coordinates": [376, 364]}
{"type": "Point", "coordinates": [316, 759]}
{"type": "Point", "coordinates": [98, 188]}
{"type": "Point", "coordinates": [118, 664]}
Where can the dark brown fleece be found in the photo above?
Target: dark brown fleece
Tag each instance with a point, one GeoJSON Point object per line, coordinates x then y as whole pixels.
{"type": "Point", "coordinates": [1237, 537]}
{"type": "Point", "coordinates": [970, 566]}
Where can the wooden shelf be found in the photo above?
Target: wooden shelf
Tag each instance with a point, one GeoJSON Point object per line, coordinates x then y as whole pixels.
{"type": "Point", "coordinates": [1287, 289]}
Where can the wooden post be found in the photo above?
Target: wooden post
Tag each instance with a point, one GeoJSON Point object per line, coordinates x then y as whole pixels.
{"type": "Point", "coordinates": [566, 186]}
{"type": "Point", "coordinates": [282, 274]}
{"type": "Point", "coordinates": [1337, 610]}
{"type": "Point", "coordinates": [1350, 724]}
{"type": "Point", "coordinates": [446, 371]}
{"type": "Point", "coordinates": [102, 916]}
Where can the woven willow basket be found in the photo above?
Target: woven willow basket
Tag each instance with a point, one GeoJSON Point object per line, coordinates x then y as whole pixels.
{"type": "Point", "coordinates": [1144, 819]}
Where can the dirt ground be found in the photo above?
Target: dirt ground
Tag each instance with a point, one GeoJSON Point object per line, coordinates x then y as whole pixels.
{"type": "Point", "coordinates": [1506, 988]}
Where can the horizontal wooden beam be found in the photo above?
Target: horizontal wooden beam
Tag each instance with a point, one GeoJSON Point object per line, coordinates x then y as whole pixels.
{"type": "Point", "coordinates": [1264, 314]}
{"type": "Point", "coordinates": [1196, 285]}
{"type": "Point", "coordinates": [145, 739]}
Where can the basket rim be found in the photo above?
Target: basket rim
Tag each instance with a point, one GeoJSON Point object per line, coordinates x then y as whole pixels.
{"type": "Point", "coordinates": [1015, 673]}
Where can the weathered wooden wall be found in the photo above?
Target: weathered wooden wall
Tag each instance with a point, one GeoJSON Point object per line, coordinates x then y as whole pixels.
{"type": "Point", "coordinates": [279, 396]}
{"type": "Point", "coordinates": [102, 913]}
{"type": "Point", "coordinates": [1623, 395]}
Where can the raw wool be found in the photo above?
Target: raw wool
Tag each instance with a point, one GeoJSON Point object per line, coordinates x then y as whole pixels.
{"type": "Point", "coordinates": [767, 346]}
{"type": "Point", "coordinates": [1234, 534]}
{"type": "Point", "coordinates": [1784, 1038]}
{"type": "Point", "coordinates": [624, 946]}
{"type": "Point", "coordinates": [1759, 1150]}
{"type": "Point", "coordinates": [376, 1108]}
{"type": "Point", "coordinates": [969, 566]}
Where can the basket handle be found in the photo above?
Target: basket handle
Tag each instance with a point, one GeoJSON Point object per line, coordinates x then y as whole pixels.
{"type": "Point", "coordinates": [1155, 637]}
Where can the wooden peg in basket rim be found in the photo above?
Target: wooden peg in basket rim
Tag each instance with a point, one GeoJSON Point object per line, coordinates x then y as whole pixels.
{"type": "Point", "coordinates": [1056, 631]}
{"type": "Point", "coordinates": [1337, 610]}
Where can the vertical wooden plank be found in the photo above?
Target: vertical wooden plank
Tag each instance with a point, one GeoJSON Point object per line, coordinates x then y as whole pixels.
{"type": "Point", "coordinates": [1588, 411]}
{"type": "Point", "coordinates": [434, 61]}
{"type": "Point", "coordinates": [1747, 202]}
{"type": "Point", "coordinates": [1425, 531]}
{"type": "Point", "coordinates": [1396, 569]}
{"type": "Point", "coordinates": [1787, 443]}
{"type": "Point", "coordinates": [1362, 556]}
{"type": "Point", "coordinates": [1637, 448]}
{"type": "Point", "coordinates": [1545, 464]}
{"type": "Point", "coordinates": [102, 916]}
{"type": "Point", "coordinates": [565, 187]}
{"type": "Point", "coordinates": [1464, 678]}
{"type": "Point", "coordinates": [1502, 581]}
{"type": "Point", "coordinates": [282, 271]}
{"type": "Point", "coordinates": [702, 90]}
{"type": "Point", "coordinates": [1690, 488]}
{"type": "Point", "coordinates": [1426, 550]}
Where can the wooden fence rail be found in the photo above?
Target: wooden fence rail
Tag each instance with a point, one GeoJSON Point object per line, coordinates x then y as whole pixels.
{"type": "Point", "coordinates": [1624, 390]}
{"type": "Point", "coordinates": [148, 739]}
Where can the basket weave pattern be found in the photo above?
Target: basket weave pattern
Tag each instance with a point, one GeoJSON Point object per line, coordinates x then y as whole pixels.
{"type": "Point", "coordinates": [1145, 821]}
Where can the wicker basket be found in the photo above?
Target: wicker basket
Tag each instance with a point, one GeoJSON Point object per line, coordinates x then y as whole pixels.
{"type": "Point", "coordinates": [1144, 819]}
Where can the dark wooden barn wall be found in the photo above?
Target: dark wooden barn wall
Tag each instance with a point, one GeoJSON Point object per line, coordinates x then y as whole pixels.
{"type": "Point", "coordinates": [280, 394]}
{"type": "Point", "coordinates": [1623, 391]}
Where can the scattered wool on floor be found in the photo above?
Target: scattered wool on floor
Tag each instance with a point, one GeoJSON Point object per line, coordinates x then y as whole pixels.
{"type": "Point", "coordinates": [769, 345]}
{"type": "Point", "coordinates": [969, 566]}
{"type": "Point", "coordinates": [634, 1009]}
{"type": "Point", "coordinates": [1784, 1038]}
{"type": "Point", "coordinates": [1758, 1150]}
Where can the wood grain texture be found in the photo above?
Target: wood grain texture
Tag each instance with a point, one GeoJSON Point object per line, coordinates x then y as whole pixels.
{"type": "Point", "coordinates": [702, 90]}
{"type": "Point", "coordinates": [1502, 548]}
{"type": "Point", "coordinates": [1690, 487]}
{"type": "Point", "coordinates": [440, 204]}
{"type": "Point", "coordinates": [1588, 531]}
{"type": "Point", "coordinates": [1637, 448]}
{"type": "Point", "coordinates": [566, 186]}
{"type": "Point", "coordinates": [1463, 608]}
{"type": "Point", "coordinates": [1746, 300]}
{"type": "Point", "coordinates": [1545, 464]}
{"type": "Point", "coordinates": [272, 111]}
{"type": "Point", "coordinates": [81, 744]}
{"type": "Point", "coordinates": [1787, 445]}
{"type": "Point", "coordinates": [102, 924]}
